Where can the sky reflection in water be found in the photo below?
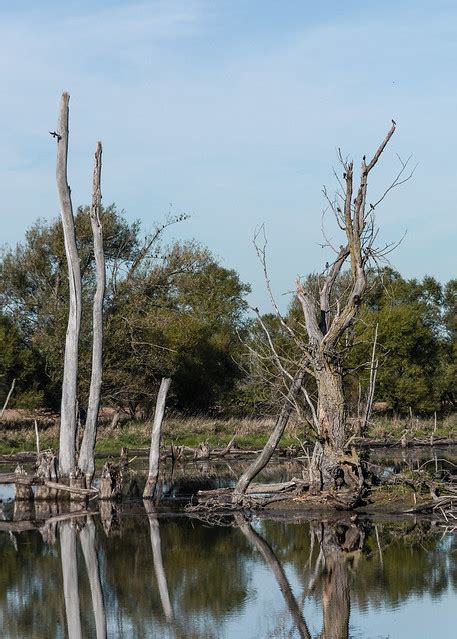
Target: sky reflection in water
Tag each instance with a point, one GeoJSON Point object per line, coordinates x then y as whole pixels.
{"type": "Point", "coordinates": [149, 574]}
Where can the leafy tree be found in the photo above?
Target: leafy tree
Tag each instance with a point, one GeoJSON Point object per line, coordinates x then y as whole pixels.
{"type": "Point", "coordinates": [169, 311]}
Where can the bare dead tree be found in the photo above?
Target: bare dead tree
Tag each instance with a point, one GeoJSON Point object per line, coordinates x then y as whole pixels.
{"type": "Point", "coordinates": [326, 318]}
{"type": "Point", "coordinates": [156, 434]}
{"type": "Point", "coordinates": [70, 373]}
{"type": "Point", "coordinates": [86, 458]}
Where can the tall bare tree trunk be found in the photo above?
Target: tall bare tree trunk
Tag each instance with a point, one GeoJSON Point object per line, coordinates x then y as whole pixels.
{"type": "Point", "coordinates": [86, 457]}
{"type": "Point", "coordinates": [154, 452]}
{"type": "Point", "coordinates": [70, 374]}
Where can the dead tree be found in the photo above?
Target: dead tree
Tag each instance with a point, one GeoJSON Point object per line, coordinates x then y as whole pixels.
{"type": "Point", "coordinates": [329, 468]}
{"type": "Point", "coordinates": [156, 434]}
{"type": "Point", "coordinates": [70, 372]}
{"type": "Point", "coordinates": [86, 456]}
{"type": "Point", "coordinates": [326, 319]}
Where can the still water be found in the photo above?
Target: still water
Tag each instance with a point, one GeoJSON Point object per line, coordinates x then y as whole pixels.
{"type": "Point", "coordinates": [146, 573]}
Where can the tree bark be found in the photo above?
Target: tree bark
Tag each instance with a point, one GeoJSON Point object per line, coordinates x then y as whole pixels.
{"type": "Point", "coordinates": [154, 452]}
{"type": "Point", "coordinates": [86, 458]}
{"type": "Point", "coordinates": [69, 386]}
{"type": "Point", "coordinates": [262, 460]}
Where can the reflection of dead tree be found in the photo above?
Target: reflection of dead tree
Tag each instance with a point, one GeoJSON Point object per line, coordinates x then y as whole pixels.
{"type": "Point", "coordinates": [326, 317]}
{"type": "Point", "coordinates": [70, 579]}
{"type": "Point", "coordinates": [341, 543]}
{"type": "Point", "coordinates": [158, 559]}
{"type": "Point", "coordinates": [87, 539]}
{"type": "Point", "coordinates": [267, 553]}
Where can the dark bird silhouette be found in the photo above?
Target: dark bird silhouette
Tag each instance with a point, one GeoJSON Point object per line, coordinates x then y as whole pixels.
{"type": "Point", "coordinates": [327, 265]}
{"type": "Point", "coordinates": [344, 176]}
{"type": "Point", "coordinates": [364, 158]}
{"type": "Point", "coordinates": [394, 123]}
{"type": "Point", "coordinates": [55, 135]}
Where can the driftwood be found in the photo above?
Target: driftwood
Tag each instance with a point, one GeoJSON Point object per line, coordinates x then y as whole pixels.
{"type": "Point", "coordinates": [154, 454]}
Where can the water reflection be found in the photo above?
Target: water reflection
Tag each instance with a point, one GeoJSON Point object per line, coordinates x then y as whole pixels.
{"type": "Point", "coordinates": [169, 576]}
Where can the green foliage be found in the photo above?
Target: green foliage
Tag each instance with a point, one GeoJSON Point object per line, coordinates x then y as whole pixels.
{"type": "Point", "coordinates": [21, 363]}
{"type": "Point", "coordinates": [168, 311]}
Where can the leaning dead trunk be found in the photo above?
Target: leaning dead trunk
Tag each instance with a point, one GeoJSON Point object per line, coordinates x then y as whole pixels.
{"type": "Point", "coordinates": [70, 372]}
{"type": "Point", "coordinates": [154, 453]}
{"type": "Point", "coordinates": [262, 460]}
{"type": "Point", "coordinates": [86, 457]}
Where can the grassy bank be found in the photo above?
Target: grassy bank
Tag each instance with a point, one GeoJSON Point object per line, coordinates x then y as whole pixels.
{"type": "Point", "coordinates": [249, 433]}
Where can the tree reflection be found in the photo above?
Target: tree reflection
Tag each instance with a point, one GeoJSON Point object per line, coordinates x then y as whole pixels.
{"type": "Point", "coordinates": [207, 578]}
{"type": "Point", "coordinates": [267, 553]}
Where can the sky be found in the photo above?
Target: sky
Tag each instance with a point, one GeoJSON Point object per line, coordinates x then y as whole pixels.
{"type": "Point", "coordinates": [233, 111]}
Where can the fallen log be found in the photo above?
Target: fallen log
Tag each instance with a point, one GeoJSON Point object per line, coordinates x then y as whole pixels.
{"type": "Point", "coordinates": [256, 489]}
{"type": "Point", "coordinates": [33, 480]}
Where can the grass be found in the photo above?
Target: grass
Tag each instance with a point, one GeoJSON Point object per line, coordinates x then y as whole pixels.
{"type": "Point", "coordinates": [191, 431]}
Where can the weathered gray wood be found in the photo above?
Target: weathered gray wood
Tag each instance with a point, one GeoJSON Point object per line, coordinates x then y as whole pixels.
{"type": "Point", "coordinates": [70, 579]}
{"type": "Point", "coordinates": [86, 457]}
{"type": "Point", "coordinates": [256, 489]}
{"type": "Point", "coordinates": [159, 569]}
{"type": "Point", "coordinates": [24, 490]}
{"type": "Point", "coordinates": [70, 372]}
{"type": "Point", "coordinates": [262, 460]}
{"type": "Point", "coordinates": [156, 434]}
{"type": "Point", "coordinates": [87, 539]}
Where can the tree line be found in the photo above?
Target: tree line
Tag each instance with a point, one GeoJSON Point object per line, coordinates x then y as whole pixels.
{"type": "Point", "coordinates": [172, 309]}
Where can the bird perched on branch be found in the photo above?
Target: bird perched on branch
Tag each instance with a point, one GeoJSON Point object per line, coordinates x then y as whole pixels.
{"type": "Point", "coordinates": [55, 135]}
{"type": "Point", "coordinates": [394, 123]}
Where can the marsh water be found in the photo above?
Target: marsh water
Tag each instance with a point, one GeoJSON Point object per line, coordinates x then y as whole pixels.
{"type": "Point", "coordinates": [138, 571]}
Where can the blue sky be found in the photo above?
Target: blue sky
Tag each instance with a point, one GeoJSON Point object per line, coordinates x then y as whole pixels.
{"type": "Point", "coordinates": [232, 111]}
